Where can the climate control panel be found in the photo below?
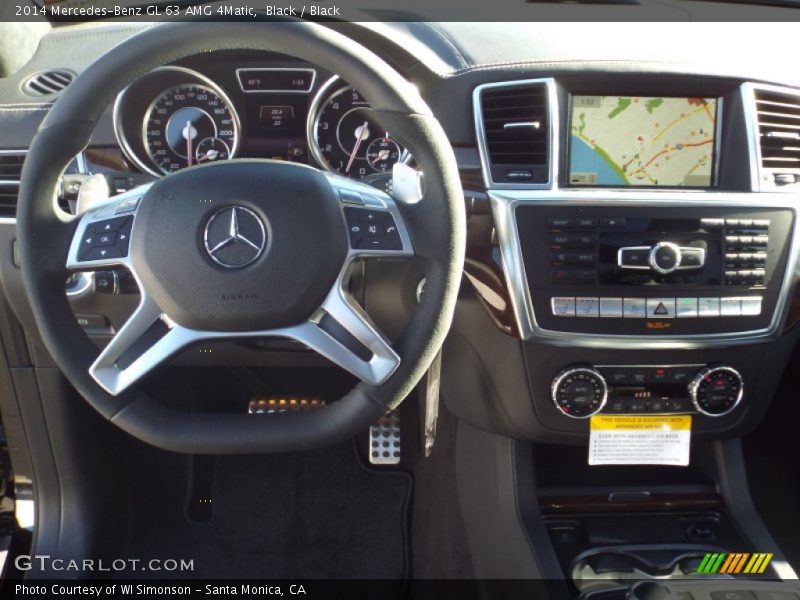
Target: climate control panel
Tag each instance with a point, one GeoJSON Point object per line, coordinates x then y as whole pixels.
{"type": "Point", "coordinates": [580, 391]}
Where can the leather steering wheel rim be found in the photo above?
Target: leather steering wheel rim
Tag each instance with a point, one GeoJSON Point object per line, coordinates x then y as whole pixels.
{"type": "Point", "coordinates": [436, 224]}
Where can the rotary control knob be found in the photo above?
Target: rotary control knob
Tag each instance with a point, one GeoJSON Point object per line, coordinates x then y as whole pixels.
{"type": "Point", "coordinates": [579, 392]}
{"type": "Point", "coordinates": [716, 390]}
{"type": "Point", "coordinates": [665, 257]}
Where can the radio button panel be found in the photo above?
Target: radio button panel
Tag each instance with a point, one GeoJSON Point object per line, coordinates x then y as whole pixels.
{"type": "Point", "coordinates": [722, 258]}
{"type": "Point", "coordinates": [656, 308]}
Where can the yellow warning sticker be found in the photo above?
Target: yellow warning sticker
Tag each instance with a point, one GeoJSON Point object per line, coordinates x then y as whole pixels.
{"type": "Point", "coordinates": [640, 440]}
{"type": "Point", "coordinates": [661, 423]}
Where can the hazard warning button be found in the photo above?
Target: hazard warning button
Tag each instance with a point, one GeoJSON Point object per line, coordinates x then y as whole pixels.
{"type": "Point", "coordinates": [661, 308]}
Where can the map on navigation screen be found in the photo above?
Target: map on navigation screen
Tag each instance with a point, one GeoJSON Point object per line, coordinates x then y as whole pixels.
{"type": "Point", "coordinates": [645, 141]}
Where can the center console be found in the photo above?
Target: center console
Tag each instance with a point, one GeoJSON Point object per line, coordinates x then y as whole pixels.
{"type": "Point", "coordinates": [645, 266]}
{"type": "Point", "coordinates": [643, 302]}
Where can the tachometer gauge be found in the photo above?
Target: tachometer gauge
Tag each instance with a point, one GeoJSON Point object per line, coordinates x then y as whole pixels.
{"type": "Point", "coordinates": [344, 135]}
{"type": "Point", "coordinates": [182, 119]}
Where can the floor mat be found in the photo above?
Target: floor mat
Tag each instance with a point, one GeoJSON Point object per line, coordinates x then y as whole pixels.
{"type": "Point", "coordinates": [775, 487]}
{"type": "Point", "coordinates": [308, 515]}
{"type": "Point", "coordinates": [772, 457]}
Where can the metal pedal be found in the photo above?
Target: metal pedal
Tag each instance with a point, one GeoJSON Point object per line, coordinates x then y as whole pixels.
{"type": "Point", "coordinates": [270, 406]}
{"type": "Point", "coordinates": [384, 440]}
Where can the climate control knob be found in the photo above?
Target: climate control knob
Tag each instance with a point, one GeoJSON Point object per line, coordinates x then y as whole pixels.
{"type": "Point", "coordinates": [665, 257]}
{"type": "Point", "coordinates": [579, 392]}
{"type": "Point", "coordinates": [716, 390]}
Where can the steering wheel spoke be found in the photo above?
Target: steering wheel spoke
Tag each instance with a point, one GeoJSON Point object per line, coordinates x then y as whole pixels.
{"type": "Point", "coordinates": [344, 334]}
{"type": "Point", "coordinates": [102, 237]}
{"type": "Point", "coordinates": [340, 331]}
{"type": "Point", "coordinates": [143, 343]}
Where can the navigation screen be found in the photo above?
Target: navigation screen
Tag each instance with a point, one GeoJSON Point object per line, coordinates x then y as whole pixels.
{"type": "Point", "coordinates": [642, 141]}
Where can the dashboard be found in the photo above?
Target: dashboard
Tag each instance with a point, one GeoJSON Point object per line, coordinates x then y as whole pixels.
{"type": "Point", "coordinates": [241, 105]}
{"type": "Point", "coordinates": [632, 223]}
{"type": "Point", "coordinates": [633, 243]}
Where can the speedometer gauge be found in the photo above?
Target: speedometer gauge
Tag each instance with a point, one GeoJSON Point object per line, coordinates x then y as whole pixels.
{"type": "Point", "coordinates": [345, 136]}
{"type": "Point", "coordinates": [190, 124]}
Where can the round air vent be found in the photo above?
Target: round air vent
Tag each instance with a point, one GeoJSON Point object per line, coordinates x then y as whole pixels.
{"type": "Point", "coordinates": [48, 83]}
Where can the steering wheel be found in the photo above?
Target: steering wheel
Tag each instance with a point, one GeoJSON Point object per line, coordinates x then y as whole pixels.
{"type": "Point", "coordinates": [242, 249]}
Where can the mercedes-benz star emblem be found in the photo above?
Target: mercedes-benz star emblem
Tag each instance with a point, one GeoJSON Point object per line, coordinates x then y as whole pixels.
{"type": "Point", "coordinates": [235, 237]}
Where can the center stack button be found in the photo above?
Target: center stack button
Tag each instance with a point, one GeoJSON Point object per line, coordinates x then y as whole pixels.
{"type": "Point", "coordinates": [665, 257]}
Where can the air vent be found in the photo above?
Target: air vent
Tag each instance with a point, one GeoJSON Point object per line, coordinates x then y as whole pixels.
{"type": "Point", "coordinates": [8, 201]}
{"type": "Point", "coordinates": [10, 172]}
{"type": "Point", "coordinates": [515, 121]}
{"type": "Point", "coordinates": [11, 165]}
{"type": "Point", "coordinates": [48, 83]}
{"type": "Point", "coordinates": [778, 116]}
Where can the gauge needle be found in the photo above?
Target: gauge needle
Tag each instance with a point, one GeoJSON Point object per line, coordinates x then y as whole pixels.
{"type": "Point", "coordinates": [382, 155]}
{"type": "Point", "coordinates": [361, 133]}
{"type": "Point", "coordinates": [210, 155]}
{"type": "Point", "coordinates": [187, 133]}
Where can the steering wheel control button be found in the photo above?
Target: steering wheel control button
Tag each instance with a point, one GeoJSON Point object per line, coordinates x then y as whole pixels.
{"type": "Point", "coordinates": [110, 224]}
{"type": "Point", "coordinates": [716, 390]}
{"type": "Point", "coordinates": [105, 282]}
{"type": "Point", "coordinates": [103, 253]}
{"type": "Point", "coordinates": [351, 197]}
{"type": "Point", "coordinates": [372, 229]}
{"type": "Point", "coordinates": [579, 392]}
{"type": "Point", "coordinates": [126, 283]}
{"type": "Point", "coordinates": [127, 206]}
{"type": "Point", "coordinates": [106, 239]}
{"type": "Point", "coordinates": [92, 322]}
{"type": "Point", "coordinates": [234, 237]}
{"type": "Point", "coordinates": [101, 239]}
{"type": "Point", "coordinates": [124, 237]}
{"type": "Point", "coordinates": [661, 308]}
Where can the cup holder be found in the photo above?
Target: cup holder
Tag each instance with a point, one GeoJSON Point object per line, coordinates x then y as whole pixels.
{"type": "Point", "coordinates": [613, 566]}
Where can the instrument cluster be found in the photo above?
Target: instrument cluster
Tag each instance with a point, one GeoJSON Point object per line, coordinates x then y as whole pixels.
{"type": "Point", "coordinates": [179, 116]}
